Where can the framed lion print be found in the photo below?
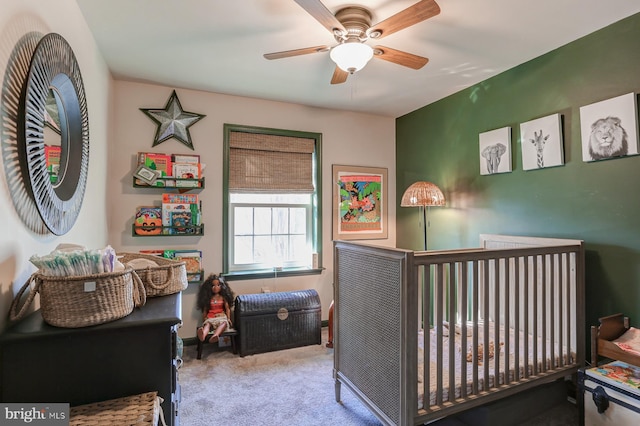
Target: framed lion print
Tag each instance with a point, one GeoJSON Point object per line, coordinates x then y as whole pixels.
{"type": "Point", "coordinates": [359, 203]}
{"type": "Point", "coordinates": [609, 128]}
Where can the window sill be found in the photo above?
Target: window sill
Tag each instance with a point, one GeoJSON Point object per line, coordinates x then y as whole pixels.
{"type": "Point", "coordinates": [261, 274]}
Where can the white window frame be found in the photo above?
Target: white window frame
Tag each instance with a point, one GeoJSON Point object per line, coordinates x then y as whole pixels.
{"type": "Point", "coordinates": [234, 267]}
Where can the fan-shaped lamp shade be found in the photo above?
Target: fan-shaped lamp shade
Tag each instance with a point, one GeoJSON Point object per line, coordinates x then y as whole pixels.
{"type": "Point", "coordinates": [351, 56]}
{"type": "Point", "coordinates": [422, 194]}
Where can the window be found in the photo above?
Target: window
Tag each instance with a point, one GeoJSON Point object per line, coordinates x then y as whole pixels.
{"type": "Point", "coordinates": [272, 209]}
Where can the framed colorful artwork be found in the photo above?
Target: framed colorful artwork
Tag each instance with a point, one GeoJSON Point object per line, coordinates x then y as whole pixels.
{"type": "Point", "coordinates": [609, 128]}
{"type": "Point", "coordinates": [495, 151]}
{"type": "Point", "coordinates": [541, 142]}
{"type": "Point", "coordinates": [359, 203]}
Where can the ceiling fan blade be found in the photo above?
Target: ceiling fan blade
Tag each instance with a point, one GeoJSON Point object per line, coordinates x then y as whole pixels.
{"type": "Point", "coordinates": [420, 11]}
{"type": "Point", "coordinates": [339, 76]}
{"type": "Point", "coordinates": [296, 52]}
{"type": "Point", "coordinates": [399, 57]}
{"type": "Point", "coordinates": [323, 15]}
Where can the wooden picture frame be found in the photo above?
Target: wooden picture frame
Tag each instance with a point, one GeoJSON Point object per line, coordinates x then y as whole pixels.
{"type": "Point", "coordinates": [359, 203]}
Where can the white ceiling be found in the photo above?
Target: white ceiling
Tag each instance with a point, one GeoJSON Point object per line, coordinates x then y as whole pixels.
{"type": "Point", "coordinates": [217, 46]}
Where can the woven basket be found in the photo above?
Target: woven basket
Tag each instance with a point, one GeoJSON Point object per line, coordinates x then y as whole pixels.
{"type": "Point", "coordinates": [80, 301]}
{"type": "Point", "coordinates": [169, 277]}
{"type": "Point", "coordinates": [143, 409]}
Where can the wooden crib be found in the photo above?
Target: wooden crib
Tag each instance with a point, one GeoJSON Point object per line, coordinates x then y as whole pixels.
{"type": "Point", "coordinates": [422, 335]}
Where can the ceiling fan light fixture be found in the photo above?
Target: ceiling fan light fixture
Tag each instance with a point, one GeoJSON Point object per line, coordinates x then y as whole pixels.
{"type": "Point", "coordinates": [351, 56]}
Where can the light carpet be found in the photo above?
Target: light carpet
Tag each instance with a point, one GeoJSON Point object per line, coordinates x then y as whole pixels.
{"type": "Point", "coordinates": [287, 387]}
{"type": "Point", "coordinates": [292, 387]}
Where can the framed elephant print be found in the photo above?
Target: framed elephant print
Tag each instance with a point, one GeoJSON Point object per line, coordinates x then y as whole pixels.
{"type": "Point", "coordinates": [495, 151]}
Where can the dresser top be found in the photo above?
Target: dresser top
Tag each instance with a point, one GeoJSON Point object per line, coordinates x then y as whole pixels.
{"type": "Point", "coordinates": [165, 310]}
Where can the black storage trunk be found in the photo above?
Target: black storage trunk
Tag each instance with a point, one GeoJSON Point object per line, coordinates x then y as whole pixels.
{"type": "Point", "coordinates": [273, 321]}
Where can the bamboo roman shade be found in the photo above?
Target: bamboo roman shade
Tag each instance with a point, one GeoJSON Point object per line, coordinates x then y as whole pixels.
{"type": "Point", "coordinates": [270, 163]}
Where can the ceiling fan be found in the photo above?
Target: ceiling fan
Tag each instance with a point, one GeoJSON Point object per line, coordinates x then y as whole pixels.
{"type": "Point", "coordinates": [351, 27]}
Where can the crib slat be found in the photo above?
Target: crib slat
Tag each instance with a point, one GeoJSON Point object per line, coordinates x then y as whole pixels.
{"type": "Point", "coordinates": [561, 313]}
{"type": "Point", "coordinates": [498, 290]}
{"type": "Point", "coordinates": [567, 318]}
{"type": "Point", "coordinates": [452, 332]}
{"type": "Point", "coordinates": [516, 318]}
{"type": "Point", "coordinates": [535, 325]}
{"type": "Point", "coordinates": [527, 321]}
{"type": "Point", "coordinates": [464, 294]}
{"type": "Point", "coordinates": [486, 326]}
{"type": "Point", "coordinates": [439, 324]}
{"type": "Point", "coordinates": [552, 313]}
{"type": "Point", "coordinates": [475, 318]}
{"type": "Point", "coordinates": [507, 316]}
{"type": "Point", "coordinates": [426, 314]}
{"type": "Point", "coordinates": [543, 305]}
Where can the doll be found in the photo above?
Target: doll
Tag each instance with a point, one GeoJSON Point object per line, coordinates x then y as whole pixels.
{"type": "Point", "coordinates": [214, 301]}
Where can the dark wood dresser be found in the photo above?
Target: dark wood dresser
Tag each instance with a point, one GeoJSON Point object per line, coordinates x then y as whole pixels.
{"type": "Point", "coordinates": [133, 355]}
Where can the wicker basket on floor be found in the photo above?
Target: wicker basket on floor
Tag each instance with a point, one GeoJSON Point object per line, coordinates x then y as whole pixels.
{"type": "Point", "coordinates": [169, 277]}
{"type": "Point", "coordinates": [81, 301]}
{"type": "Point", "coordinates": [142, 409]}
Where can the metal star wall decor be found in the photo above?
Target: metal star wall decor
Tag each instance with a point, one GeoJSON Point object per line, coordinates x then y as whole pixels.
{"type": "Point", "coordinates": [172, 121]}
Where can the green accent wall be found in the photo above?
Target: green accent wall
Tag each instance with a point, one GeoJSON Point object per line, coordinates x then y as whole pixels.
{"type": "Point", "coordinates": [598, 202]}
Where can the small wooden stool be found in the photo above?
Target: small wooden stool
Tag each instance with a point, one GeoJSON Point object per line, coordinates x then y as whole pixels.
{"type": "Point", "coordinates": [231, 333]}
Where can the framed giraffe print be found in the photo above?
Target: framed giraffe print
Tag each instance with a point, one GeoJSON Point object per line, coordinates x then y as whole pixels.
{"type": "Point", "coordinates": [541, 142]}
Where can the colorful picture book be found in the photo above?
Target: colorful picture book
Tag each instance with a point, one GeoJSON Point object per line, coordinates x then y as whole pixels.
{"type": "Point", "coordinates": [187, 216]}
{"type": "Point", "coordinates": [148, 221]}
{"type": "Point", "coordinates": [192, 260]}
{"type": "Point", "coordinates": [185, 168]}
{"type": "Point", "coordinates": [186, 175]}
{"type": "Point", "coordinates": [180, 198]}
{"type": "Point", "coordinates": [186, 158]}
{"type": "Point", "coordinates": [181, 222]}
{"type": "Point", "coordinates": [619, 373]}
{"type": "Point", "coordinates": [160, 162]}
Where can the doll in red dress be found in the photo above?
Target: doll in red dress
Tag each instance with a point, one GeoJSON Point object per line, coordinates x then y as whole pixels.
{"type": "Point", "coordinates": [214, 301]}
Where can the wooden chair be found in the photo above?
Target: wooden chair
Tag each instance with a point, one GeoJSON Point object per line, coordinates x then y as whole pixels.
{"type": "Point", "coordinates": [231, 333]}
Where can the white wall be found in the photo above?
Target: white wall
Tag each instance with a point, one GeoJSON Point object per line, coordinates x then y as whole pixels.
{"type": "Point", "coordinates": [17, 242]}
{"type": "Point", "coordinates": [347, 138]}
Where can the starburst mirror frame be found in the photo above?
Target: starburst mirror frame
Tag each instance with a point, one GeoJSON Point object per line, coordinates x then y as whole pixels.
{"type": "Point", "coordinates": [45, 75]}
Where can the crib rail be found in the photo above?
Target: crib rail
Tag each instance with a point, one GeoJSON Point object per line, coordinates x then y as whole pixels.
{"type": "Point", "coordinates": [525, 300]}
{"type": "Point", "coordinates": [500, 319]}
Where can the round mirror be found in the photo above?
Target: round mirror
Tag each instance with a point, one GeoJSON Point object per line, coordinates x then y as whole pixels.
{"type": "Point", "coordinates": [53, 136]}
{"type": "Point", "coordinates": [55, 132]}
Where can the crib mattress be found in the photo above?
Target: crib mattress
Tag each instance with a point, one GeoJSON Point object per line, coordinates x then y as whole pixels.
{"type": "Point", "coordinates": [543, 362]}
